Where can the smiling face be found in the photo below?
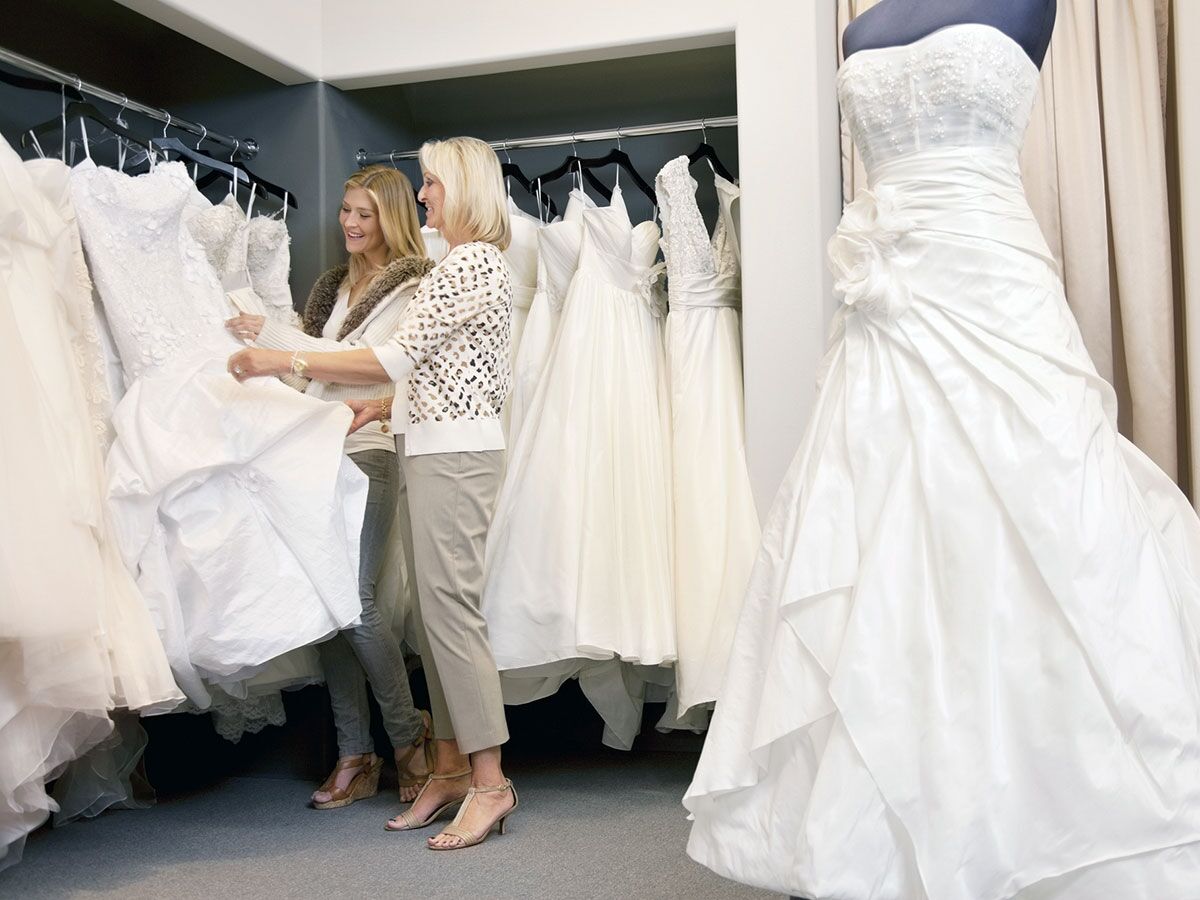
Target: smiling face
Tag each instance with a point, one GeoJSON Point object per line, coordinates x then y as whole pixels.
{"type": "Point", "coordinates": [360, 223]}
{"type": "Point", "coordinates": [433, 195]}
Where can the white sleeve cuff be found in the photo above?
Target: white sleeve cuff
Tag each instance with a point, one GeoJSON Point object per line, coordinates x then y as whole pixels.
{"type": "Point", "coordinates": [395, 361]}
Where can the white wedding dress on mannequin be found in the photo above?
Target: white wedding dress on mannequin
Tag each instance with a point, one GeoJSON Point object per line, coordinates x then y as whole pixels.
{"type": "Point", "coordinates": [967, 667]}
{"type": "Point", "coordinates": [209, 478]}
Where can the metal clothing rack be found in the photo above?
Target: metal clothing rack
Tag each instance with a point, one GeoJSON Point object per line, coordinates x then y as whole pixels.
{"type": "Point", "coordinates": [365, 158]}
{"type": "Point", "coordinates": [242, 148]}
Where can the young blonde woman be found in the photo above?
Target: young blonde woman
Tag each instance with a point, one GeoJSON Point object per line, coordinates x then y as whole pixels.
{"type": "Point", "coordinates": [360, 304]}
{"type": "Point", "coordinates": [452, 348]}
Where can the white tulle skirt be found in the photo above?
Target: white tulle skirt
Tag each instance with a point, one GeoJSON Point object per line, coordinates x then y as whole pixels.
{"type": "Point", "coordinates": [967, 667]}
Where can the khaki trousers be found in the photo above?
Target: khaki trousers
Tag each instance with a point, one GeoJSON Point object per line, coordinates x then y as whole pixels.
{"type": "Point", "coordinates": [451, 497]}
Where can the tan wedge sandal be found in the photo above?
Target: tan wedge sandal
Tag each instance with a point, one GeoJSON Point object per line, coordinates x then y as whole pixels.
{"type": "Point", "coordinates": [407, 778]}
{"type": "Point", "coordinates": [411, 822]}
{"type": "Point", "coordinates": [363, 785]}
{"type": "Point", "coordinates": [468, 838]}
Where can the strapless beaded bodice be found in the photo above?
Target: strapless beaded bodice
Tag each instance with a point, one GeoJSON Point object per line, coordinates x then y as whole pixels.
{"type": "Point", "coordinates": [962, 86]}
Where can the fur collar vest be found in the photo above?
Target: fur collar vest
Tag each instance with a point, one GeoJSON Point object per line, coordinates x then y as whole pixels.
{"type": "Point", "coordinates": [323, 297]}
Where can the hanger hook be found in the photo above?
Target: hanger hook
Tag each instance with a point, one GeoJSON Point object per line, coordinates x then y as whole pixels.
{"type": "Point", "coordinates": [574, 150]}
{"type": "Point", "coordinates": [237, 143]}
{"type": "Point", "coordinates": [507, 155]}
{"type": "Point", "coordinates": [392, 159]}
{"type": "Point", "coordinates": [168, 125]}
{"type": "Point", "coordinates": [618, 138]}
{"type": "Point", "coordinates": [121, 112]}
{"type": "Point", "coordinates": [703, 130]}
{"type": "Point", "coordinates": [203, 136]}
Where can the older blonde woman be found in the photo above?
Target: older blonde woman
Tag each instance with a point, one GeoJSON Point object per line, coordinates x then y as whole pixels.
{"type": "Point", "coordinates": [359, 304]}
{"type": "Point", "coordinates": [452, 347]}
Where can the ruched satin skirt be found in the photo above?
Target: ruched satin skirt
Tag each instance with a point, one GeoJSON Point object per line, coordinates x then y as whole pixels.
{"type": "Point", "coordinates": [967, 666]}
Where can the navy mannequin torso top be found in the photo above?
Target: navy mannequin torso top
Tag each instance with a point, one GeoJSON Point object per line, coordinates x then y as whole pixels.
{"type": "Point", "coordinates": [894, 23]}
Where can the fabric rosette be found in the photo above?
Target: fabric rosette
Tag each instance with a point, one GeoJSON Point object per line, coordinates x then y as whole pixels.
{"type": "Point", "coordinates": [866, 259]}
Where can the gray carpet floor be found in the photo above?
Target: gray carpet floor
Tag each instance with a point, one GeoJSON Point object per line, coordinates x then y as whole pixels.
{"type": "Point", "coordinates": [603, 826]}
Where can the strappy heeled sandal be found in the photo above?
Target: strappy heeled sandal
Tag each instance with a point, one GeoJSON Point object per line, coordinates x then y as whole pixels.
{"type": "Point", "coordinates": [411, 822]}
{"type": "Point", "coordinates": [469, 838]}
{"type": "Point", "coordinates": [407, 778]}
{"type": "Point", "coordinates": [363, 785]}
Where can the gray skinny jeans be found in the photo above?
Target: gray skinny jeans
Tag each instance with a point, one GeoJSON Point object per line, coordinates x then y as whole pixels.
{"type": "Point", "coordinates": [370, 651]}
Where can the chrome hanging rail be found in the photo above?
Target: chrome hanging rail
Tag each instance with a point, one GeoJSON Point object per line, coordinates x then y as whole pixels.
{"type": "Point", "coordinates": [243, 148]}
{"type": "Point", "coordinates": [365, 158]}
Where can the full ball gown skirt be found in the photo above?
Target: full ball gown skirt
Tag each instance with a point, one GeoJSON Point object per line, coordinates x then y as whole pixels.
{"type": "Point", "coordinates": [967, 666]}
{"type": "Point", "coordinates": [234, 503]}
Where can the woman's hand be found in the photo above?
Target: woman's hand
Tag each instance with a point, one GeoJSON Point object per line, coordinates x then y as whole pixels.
{"type": "Point", "coordinates": [365, 411]}
{"type": "Point", "coordinates": [246, 326]}
{"type": "Point", "coordinates": [253, 362]}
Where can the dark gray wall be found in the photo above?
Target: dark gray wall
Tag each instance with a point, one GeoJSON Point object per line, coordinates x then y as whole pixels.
{"type": "Point", "coordinates": [667, 87]}
{"type": "Point", "coordinates": [117, 48]}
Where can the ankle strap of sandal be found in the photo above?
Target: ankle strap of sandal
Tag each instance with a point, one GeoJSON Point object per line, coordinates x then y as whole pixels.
{"type": "Point", "coordinates": [463, 774]}
{"type": "Point", "coordinates": [507, 786]}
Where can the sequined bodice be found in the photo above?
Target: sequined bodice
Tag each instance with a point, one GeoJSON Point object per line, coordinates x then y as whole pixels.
{"type": "Point", "coordinates": [966, 85]}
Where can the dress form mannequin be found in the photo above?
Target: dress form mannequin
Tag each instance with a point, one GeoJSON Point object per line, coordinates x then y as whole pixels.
{"type": "Point", "coordinates": [895, 23]}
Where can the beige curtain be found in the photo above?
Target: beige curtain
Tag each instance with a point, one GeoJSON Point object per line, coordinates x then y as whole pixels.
{"type": "Point", "coordinates": [1183, 154]}
{"type": "Point", "coordinates": [1095, 168]}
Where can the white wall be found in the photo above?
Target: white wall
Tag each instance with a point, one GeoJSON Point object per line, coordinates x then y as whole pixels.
{"type": "Point", "coordinates": [280, 38]}
{"type": "Point", "coordinates": [790, 171]}
{"type": "Point", "coordinates": [481, 36]}
{"type": "Point", "coordinates": [787, 135]}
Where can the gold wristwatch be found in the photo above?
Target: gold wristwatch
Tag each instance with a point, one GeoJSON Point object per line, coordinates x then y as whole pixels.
{"type": "Point", "coordinates": [299, 365]}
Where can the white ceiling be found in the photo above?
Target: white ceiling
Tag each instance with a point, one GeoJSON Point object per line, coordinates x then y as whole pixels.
{"type": "Point", "coordinates": [375, 42]}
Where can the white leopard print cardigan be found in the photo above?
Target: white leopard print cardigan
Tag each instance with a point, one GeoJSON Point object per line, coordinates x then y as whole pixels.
{"type": "Point", "coordinates": [452, 346]}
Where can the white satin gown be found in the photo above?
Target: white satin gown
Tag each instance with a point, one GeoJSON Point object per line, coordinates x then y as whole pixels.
{"type": "Point", "coordinates": [967, 666]}
{"type": "Point", "coordinates": [578, 579]}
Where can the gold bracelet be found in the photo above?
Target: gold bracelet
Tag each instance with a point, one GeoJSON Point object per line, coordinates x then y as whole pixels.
{"type": "Point", "coordinates": [385, 415]}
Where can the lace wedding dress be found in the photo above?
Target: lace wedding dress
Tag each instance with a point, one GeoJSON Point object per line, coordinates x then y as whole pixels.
{"type": "Point", "coordinates": [716, 524]}
{"type": "Point", "coordinates": [578, 565]}
{"type": "Point", "coordinates": [209, 478]}
{"type": "Point", "coordinates": [967, 666]}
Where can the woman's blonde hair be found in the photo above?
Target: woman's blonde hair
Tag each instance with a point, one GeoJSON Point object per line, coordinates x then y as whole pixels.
{"type": "Point", "coordinates": [392, 193]}
{"type": "Point", "coordinates": [476, 205]}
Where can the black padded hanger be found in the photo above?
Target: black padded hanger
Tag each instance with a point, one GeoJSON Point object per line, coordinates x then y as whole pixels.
{"type": "Point", "coordinates": [706, 151]}
{"type": "Point", "coordinates": [75, 111]}
{"type": "Point", "coordinates": [511, 170]}
{"type": "Point", "coordinates": [575, 163]}
{"type": "Point", "coordinates": [618, 157]}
